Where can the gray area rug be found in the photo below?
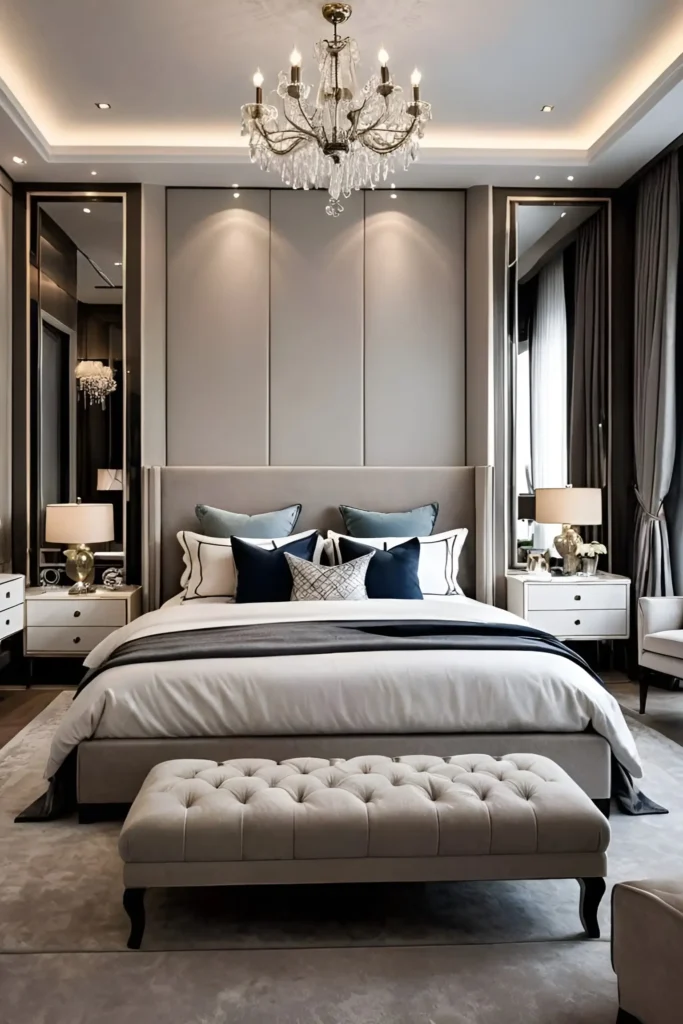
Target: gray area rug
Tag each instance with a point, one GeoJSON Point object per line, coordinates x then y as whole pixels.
{"type": "Point", "coordinates": [63, 882]}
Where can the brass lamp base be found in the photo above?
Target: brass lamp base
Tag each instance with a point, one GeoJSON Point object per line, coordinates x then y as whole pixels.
{"type": "Point", "coordinates": [567, 545]}
{"type": "Point", "coordinates": [80, 566]}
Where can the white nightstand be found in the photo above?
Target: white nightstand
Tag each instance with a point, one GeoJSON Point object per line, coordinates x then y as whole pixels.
{"type": "Point", "coordinates": [59, 625]}
{"type": "Point", "coordinates": [573, 607]}
{"type": "Point", "coordinates": [11, 604]}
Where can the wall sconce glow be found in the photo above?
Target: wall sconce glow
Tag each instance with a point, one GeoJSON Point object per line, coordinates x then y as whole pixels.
{"type": "Point", "coordinates": [547, 108]}
{"type": "Point", "coordinates": [86, 209]}
{"type": "Point", "coordinates": [18, 160]}
{"type": "Point", "coordinates": [570, 177]}
{"type": "Point", "coordinates": [103, 106]}
{"type": "Point", "coordinates": [235, 195]}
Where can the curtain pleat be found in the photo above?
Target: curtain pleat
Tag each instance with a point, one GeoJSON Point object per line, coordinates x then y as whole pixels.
{"type": "Point", "coordinates": [654, 419]}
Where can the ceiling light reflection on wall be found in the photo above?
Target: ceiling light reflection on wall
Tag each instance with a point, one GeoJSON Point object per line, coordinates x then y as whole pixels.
{"type": "Point", "coordinates": [547, 108]}
{"type": "Point", "coordinates": [103, 106]}
{"type": "Point", "coordinates": [18, 160]}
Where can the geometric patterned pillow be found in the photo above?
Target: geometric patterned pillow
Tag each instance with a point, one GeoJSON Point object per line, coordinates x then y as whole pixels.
{"type": "Point", "coordinates": [313, 582]}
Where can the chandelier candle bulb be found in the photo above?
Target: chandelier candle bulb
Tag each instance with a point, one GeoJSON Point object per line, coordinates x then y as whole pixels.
{"type": "Point", "coordinates": [295, 66]}
{"type": "Point", "coordinates": [415, 80]}
{"type": "Point", "coordinates": [258, 82]}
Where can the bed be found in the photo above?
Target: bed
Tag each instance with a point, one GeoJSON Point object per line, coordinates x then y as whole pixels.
{"type": "Point", "coordinates": [435, 702]}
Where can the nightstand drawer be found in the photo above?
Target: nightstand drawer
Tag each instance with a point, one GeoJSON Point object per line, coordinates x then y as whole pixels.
{"type": "Point", "coordinates": [560, 596]}
{"type": "Point", "coordinates": [65, 639]}
{"type": "Point", "coordinates": [74, 612]}
{"type": "Point", "coordinates": [11, 593]}
{"type": "Point", "coordinates": [11, 620]}
{"type": "Point", "coordinates": [579, 623]}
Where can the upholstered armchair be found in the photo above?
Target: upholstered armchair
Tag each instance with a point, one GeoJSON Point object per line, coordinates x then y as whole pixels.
{"type": "Point", "coordinates": [660, 639]}
{"type": "Point", "coordinates": [647, 945]}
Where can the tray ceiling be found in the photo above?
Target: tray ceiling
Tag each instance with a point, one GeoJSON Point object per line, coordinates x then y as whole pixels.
{"type": "Point", "coordinates": [175, 73]}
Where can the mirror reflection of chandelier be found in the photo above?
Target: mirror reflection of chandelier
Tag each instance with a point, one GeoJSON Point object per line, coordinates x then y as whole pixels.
{"type": "Point", "coordinates": [346, 137]}
{"type": "Point", "coordinates": [95, 380]}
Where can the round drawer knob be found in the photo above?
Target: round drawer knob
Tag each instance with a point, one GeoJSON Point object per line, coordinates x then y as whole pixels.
{"type": "Point", "coordinates": [7, 622]}
{"type": "Point", "coordinates": [76, 614]}
{"type": "Point", "coordinates": [7, 595]}
{"type": "Point", "coordinates": [577, 622]}
{"type": "Point", "coordinates": [77, 639]}
{"type": "Point", "coordinates": [577, 597]}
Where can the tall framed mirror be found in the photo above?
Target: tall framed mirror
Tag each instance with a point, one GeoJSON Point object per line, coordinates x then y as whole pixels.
{"type": "Point", "coordinates": [76, 363]}
{"type": "Point", "coordinates": [559, 351]}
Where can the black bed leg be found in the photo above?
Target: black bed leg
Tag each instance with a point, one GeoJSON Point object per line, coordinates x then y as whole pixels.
{"type": "Point", "coordinates": [134, 905]}
{"type": "Point", "coordinates": [592, 891]}
{"type": "Point", "coordinates": [603, 804]}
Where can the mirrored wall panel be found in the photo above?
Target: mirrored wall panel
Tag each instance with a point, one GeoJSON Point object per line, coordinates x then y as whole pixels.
{"type": "Point", "coordinates": [77, 370]}
{"type": "Point", "coordinates": [558, 327]}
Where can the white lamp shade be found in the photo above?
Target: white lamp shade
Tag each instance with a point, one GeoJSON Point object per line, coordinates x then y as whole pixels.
{"type": "Point", "coordinates": [109, 479]}
{"type": "Point", "coordinates": [79, 524]}
{"type": "Point", "coordinates": [578, 506]}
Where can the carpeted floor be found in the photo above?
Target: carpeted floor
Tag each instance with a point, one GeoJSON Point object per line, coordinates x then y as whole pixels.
{"type": "Point", "coordinates": [446, 953]}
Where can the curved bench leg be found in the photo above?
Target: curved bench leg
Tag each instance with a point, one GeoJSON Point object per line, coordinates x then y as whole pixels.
{"type": "Point", "coordinates": [592, 891]}
{"type": "Point", "coordinates": [134, 905]}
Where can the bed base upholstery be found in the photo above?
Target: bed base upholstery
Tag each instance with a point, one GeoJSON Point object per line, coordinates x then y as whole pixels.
{"type": "Point", "coordinates": [111, 771]}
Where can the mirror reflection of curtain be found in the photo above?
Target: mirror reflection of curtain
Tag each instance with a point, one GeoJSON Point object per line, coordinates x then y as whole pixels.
{"type": "Point", "coordinates": [549, 389]}
{"type": "Point", "coordinates": [587, 437]}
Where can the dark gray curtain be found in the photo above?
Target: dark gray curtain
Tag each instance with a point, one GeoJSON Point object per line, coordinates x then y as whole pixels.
{"type": "Point", "coordinates": [654, 405]}
{"type": "Point", "coordinates": [587, 435]}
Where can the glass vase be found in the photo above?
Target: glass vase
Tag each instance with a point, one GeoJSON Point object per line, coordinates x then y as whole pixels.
{"type": "Point", "coordinates": [590, 565]}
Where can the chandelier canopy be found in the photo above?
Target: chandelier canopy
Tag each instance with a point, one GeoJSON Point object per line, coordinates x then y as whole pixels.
{"type": "Point", "coordinates": [343, 137]}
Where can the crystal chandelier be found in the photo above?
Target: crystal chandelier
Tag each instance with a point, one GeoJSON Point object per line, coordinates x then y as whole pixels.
{"type": "Point", "coordinates": [95, 380]}
{"type": "Point", "coordinates": [346, 137]}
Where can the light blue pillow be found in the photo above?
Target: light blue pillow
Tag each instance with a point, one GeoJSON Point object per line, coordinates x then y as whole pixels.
{"type": "Point", "coordinates": [216, 522]}
{"type": "Point", "coordinates": [419, 522]}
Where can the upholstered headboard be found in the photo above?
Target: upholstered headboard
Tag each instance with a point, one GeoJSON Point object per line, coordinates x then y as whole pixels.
{"type": "Point", "coordinates": [464, 494]}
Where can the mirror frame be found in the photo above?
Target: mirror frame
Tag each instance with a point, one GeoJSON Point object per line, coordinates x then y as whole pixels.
{"type": "Point", "coordinates": [510, 339]}
{"type": "Point", "coordinates": [33, 196]}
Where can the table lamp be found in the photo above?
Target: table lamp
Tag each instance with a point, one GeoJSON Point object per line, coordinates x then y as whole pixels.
{"type": "Point", "coordinates": [567, 505]}
{"type": "Point", "coordinates": [79, 525]}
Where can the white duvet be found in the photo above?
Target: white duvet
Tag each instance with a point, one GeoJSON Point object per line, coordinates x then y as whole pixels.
{"type": "Point", "coordinates": [371, 692]}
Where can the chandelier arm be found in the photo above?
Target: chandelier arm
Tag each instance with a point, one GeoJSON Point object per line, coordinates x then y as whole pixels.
{"type": "Point", "coordinates": [272, 145]}
{"type": "Point", "coordinates": [298, 128]}
{"type": "Point", "coordinates": [385, 149]}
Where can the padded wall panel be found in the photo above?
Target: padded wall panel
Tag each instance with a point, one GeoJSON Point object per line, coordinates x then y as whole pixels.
{"type": "Point", "coordinates": [316, 362]}
{"type": "Point", "coordinates": [218, 282]}
{"type": "Point", "coordinates": [415, 329]}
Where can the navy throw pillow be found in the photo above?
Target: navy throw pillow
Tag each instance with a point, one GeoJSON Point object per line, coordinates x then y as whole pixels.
{"type": "Point", "coordinates": [263, 573]}
{"type": "Point", "coordinates": [391, 573]}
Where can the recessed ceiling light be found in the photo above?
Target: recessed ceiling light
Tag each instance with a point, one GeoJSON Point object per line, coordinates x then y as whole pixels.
{"type": "Point", "coordinates": [537, 177]}
{"type": "Point", "coordinates": [547, 108]}
{"type": "Point", "coordinates": [235, 195]}
{"type": "Point", "coordinates": [570, 177]}
{"type": "Point", "coordinates": [394, 196]}
{"type": "Point", "coordinates": [393, 184]}
{"type": "Point", "coordinates": [118, 264]}
{"type": "Point", "coordinates": [18, 160]}
{"type": "Point", "coordinates": [563, 214]}
{"type": "Point", "coordinates": [93, 173]}
{"type": "Point", "coordinates": [103, 106]}
{"type": "Point", "coordinates": [235, 184]}
{"type": "Point", "coordinates": [86, 209]}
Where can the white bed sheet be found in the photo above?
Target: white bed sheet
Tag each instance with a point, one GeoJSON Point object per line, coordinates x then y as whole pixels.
{"type": "Point", "coordinates": [396, 692]}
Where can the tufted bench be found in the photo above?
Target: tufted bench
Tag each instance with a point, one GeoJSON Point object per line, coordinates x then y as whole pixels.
{"type": "Point", "coordinates": [368, 819]}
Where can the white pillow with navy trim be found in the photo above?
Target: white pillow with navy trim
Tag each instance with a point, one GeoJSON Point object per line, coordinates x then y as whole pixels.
{"type": "Point", "coordinates": [210, 567]}
{"type": "Point", "coordinates": [439, 558]}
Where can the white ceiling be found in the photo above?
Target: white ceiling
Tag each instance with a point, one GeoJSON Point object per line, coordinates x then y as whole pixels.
{"type": "Point", "coordinates": [177, 71]}
{"type": "Point", "coordinates": [98, 236]}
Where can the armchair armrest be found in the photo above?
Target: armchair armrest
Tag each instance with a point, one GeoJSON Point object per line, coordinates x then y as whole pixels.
{"type": "Point", "coordinates": [655, 614]}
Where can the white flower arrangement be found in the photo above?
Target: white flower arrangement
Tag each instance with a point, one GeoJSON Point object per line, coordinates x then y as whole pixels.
{"type": "Point", "coordinates": [591, 550]}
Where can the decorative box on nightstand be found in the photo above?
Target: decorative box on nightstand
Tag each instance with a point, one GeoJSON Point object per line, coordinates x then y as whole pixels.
{"type": "Point", "coordinates": [59, 625]}
{"type": "Point", "coordinates": [11, 604]}
{"type": "Point", "coordinates": [573, 607]}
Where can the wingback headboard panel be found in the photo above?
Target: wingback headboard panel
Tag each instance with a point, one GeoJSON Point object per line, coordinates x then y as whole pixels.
{"type": "Point", "coordinates": [171, 493]}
